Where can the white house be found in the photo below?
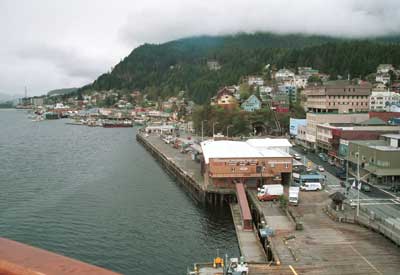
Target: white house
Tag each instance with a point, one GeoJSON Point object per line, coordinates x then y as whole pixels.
{"type": "Point", "coordinates": [265, 90]}
{"type": "Point", "coordinates": [300, 81]}
{"type": "Point", "coordinates": [380, 99]}
{"type": "Point", "coordinates": [382, 78]}
{"type": "Point", "coordinates": [384, 68]}
{"type": "Point", "coordinates": [255, 80]}
{"type": "Point", "coordinates": [284, 74]}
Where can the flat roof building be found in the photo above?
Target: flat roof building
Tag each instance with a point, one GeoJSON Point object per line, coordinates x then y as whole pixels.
{"type": "Point", "coordinates": [226, 161]}
{"type": "Point", "coordinates": [378, 159]}
{"type": "Point", "coordinates": [339, 97]}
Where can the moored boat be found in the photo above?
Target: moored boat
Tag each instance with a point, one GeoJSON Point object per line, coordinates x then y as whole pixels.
{"type": "Point", "coordinates": [117, 123]}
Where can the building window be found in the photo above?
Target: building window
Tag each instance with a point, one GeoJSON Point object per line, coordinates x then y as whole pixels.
{"type": "Point", "coordinates": [272, 165]}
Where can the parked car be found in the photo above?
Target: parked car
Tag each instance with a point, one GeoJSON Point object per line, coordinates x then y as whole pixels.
{"type": "Point", "coordinates": [297, 156]}
{"type": "Point", "coordinates": [394, 188]}
{"type": "Point", "coordinates": [365, 187]}
{"type": "Point", "coordinates": [341, 174]}
{"type": "Point", "coordinates": [323, 156]}
{"type": "Point", "coordinates": [321, 168]}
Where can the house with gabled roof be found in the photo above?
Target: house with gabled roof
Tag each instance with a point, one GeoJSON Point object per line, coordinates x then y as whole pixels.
{"type": "Point", "coordinates": [251, 104]}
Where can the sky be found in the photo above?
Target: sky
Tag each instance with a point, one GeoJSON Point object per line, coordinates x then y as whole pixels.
{"type": "Point", "coordinates": [48, 44]}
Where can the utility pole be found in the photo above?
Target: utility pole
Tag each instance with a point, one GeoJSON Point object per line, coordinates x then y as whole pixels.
{"type": "Point", "coordinates": [216, 122]}
{"type": "Point", "coordinates": [202, 130]}
{"type": "Point", "coordinates": [358, 182]}
{"type": "Point", "coordinates": [227, 130]}
{"type": "Point", "coordinates": [347, 174]}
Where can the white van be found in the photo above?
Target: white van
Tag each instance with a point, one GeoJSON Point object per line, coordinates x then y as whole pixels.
{"type": "Point", "coordinates": [311, 186]}
{"type": "Point", "coordinates": [294, 195]}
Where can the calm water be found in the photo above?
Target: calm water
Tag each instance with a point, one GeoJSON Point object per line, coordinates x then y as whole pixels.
{"type": "Point", "coordinates": [96, 195]}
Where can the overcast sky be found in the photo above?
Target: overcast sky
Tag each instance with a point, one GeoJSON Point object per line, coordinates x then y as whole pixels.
{"type": "Point", "coordinates": [50, 44]}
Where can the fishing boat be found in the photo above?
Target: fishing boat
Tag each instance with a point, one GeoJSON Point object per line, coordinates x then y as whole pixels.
{"type": "Point", "coordinates": [51, 115]}
{"type": "Point", "coordinates": [139, 121]}
{"type": "Point", "coordinates": [117, 123]}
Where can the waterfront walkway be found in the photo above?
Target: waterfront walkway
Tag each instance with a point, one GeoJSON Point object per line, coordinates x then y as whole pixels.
{"type": "Point", "coordinates": [184, 161]}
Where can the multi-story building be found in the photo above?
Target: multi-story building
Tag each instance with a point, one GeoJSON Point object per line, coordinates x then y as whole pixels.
{"type": "Point", "coordinates": [331, 136]}
{"type": "Point", "coordinates": [338, 98]}
{"type": "Point", "coordinates": [380, 99]}
{"type": "Point", "coordinates": [313, 119]}
{"type": "Point", "coordinates": [289, 90]}
{"type": "Point", "coordinates": [378, 160]}
{"type": "Point", "coordinates": [226, 161]}
{"type": "Point", "coordinates": [37, 101]}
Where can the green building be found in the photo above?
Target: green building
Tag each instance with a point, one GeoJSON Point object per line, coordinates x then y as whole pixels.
{"type": "Point", "coordinates": [379, 160]}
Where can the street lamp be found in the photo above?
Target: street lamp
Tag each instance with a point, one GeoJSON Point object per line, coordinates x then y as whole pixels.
{"type": "Point", "coordinates": [227, 130]}
{"type": "Point", "coordinates": [358, 182]}
{"type": "Point", "coordinates": [202, 130]}
{"type": "Point", "coordinates": [216, 122]}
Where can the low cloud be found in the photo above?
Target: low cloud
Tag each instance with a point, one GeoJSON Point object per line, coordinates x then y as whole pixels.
{"type": "Point", "coordinates": [51, 44]}
{"type": "Point", "coordinates": [68, 60]}
{"type": "Point", "coordinates": [348, 18]}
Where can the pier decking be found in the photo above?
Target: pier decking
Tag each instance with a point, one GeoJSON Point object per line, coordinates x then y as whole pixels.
{"type": "Point", "coordinates": [325, 246]}
{"type": "Point", "coordinates": [184, 169]}
{"type": "Point", "coordinates": [249, 244]}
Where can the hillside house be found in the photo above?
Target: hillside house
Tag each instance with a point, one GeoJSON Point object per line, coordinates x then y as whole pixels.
{"type": "Point", "coordinates": [251, 104]}
{"type": "Point", "coordinates": [225, 99]}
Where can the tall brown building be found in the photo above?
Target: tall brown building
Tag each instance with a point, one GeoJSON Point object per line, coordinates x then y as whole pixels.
{"type": "Point", "coordinates": [340, 97]}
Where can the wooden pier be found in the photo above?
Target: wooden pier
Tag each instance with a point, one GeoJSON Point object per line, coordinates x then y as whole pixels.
{"type": "Point", "coordinates": [185, 171]}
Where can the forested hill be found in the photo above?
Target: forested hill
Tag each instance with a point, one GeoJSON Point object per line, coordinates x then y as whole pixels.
{"type": "Point", "coordinates": [165, 69]}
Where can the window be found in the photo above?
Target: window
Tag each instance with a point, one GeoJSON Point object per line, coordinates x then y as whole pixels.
{"type": "Point", "coordinates": [286, 165]}
{"type": "Point", "coordinates": [272, 165]}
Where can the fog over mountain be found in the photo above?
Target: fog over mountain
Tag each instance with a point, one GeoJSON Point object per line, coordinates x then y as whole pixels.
{"type": "Point", "coordinates": [51, 44]}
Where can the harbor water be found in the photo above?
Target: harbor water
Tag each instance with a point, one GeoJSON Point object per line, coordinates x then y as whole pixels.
{"type": "Point", "coordinates": [96, 195]}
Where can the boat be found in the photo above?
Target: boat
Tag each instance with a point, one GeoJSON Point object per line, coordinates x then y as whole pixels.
{"type": "Point", "coordinates": [37, 119]}
{"type": "Point", "coordinates": [51, 115]}
{"type": "Point", "coordinates": [117, 123]}
{"type": "Point", "coordinates": [139, 121]}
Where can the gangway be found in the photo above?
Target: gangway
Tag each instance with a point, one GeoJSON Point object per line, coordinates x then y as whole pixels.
{"type": "Point", "coordinates": [244, 206]}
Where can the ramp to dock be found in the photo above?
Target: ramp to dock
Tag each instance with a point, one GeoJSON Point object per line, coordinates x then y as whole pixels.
{"type": "Point", "coordinates": [247, 222]}
{"type": "Point", "coordinates": [249, 244]}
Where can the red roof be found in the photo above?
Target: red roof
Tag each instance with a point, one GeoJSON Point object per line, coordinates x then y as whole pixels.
{"type": "Point", "coordinates": [385, 116]}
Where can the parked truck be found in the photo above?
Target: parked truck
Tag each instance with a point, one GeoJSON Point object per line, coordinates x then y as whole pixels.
{"type": "Point", "coordinates": [270, 192]}
{"type": "Point", "coordinates": [294, 195]}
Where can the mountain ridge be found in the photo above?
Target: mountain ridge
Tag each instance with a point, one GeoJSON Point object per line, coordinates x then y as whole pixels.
{"type": "Point", "coordinates": [165, 69]}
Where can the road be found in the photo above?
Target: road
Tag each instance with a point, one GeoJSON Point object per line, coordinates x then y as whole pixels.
{"type": "Point", "coordinates": [382, 203]}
